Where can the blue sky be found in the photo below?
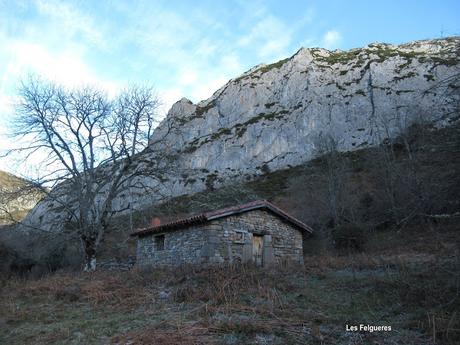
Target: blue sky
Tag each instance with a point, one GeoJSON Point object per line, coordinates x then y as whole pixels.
{"type": "Point", "coordinates": [190, 48]}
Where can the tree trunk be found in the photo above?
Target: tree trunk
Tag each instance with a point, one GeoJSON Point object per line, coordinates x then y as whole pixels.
{"type": "Point", "coordinates": [90, 263]}
{"type": "Point", "coordinates": [90, 255]}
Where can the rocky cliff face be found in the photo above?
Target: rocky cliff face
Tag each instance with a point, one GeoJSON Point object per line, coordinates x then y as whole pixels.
{"type": "Point", "coordinates": [17, 197]}
{"type": "Point", "coordinates": [275, 116]}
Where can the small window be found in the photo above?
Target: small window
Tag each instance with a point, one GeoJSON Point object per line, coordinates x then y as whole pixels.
{"type": "Point", "coordinates": [160, 242]}
{"type": "Point", "coordinates": [238, 237]}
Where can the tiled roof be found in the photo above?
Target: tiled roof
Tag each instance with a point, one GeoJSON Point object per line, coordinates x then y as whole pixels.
{"type": "Point", "coordinates": [224, 212]}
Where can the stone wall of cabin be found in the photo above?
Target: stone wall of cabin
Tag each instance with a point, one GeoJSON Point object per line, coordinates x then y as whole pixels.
{"type": "Point", "coordinates": [185, 246]}
{"type": "Point", "coordinates": [232, 236]}
{"type": "Point", "coordinates": [227, 239]}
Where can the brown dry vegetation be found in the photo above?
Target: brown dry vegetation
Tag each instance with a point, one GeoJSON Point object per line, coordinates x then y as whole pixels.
{"type": "Point", "coordinates": [415, 290]}
{"type": "Point", "coordinates": [368, 195]}
{"type": "Point", "coordinates": [363, 198]}
{"type": "Point", "coordinates": [406, 273]}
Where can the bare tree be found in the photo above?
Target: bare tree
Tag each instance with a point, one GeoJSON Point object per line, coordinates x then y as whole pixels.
{"type": "Point", "coordinates": [327, 147]}
{"type": "Point", "coordinates": [91, 145]}
{"type": "Point", "coordinates": [400, 157]}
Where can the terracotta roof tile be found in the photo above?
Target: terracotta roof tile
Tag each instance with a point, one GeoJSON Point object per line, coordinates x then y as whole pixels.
{"type": "Point", "coordinates": [220, 213]}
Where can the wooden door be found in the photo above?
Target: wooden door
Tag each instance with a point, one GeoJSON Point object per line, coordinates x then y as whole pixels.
{"type": "Point", "coordinates": [257, 249]}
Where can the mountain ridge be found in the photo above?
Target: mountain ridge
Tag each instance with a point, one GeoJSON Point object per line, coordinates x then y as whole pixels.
{"type": "Point", "coordinates": [275, 116]}
{"type": "Point", "coordinates": [184, 112]}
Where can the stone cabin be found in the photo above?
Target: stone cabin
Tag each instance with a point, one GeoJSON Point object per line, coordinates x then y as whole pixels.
{"type": "Point", "coordinates": [257, 232]}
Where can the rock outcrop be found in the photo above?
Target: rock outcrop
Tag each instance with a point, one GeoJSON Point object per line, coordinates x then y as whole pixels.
{"type": "Point", "coordinates": [275, 116]}
{"type": "Point", "coordinates": [17, 197]}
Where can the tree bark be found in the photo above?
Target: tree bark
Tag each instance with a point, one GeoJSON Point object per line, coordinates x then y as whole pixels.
{"type": "Point", "coordinates": [90, 254]}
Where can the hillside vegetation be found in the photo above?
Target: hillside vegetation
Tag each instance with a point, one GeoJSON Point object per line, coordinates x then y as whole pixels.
{"type": "Point", "coordinates": [376, 192]}
{"type": "Point", "coordinates": [385, 252]}
{"type": "Point", "coordinates": [361, 145]}
{"type": "Point", "coordinates": [417, 295]}
{"type": "Point", "coordinates": [407, 182]}
{"type": "Point", "coordinates": [404, 273]}
{"type": "Point", "coordinates": [17, 197]}
{"type": "Point", "coordinates": [281, 115]}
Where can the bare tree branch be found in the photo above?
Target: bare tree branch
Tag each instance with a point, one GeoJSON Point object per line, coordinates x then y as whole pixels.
{"type": "Point", "coordinates": [92, 143]}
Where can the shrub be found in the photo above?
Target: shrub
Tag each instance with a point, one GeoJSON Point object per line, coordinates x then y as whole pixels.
{"type": "Point", "coordinates": [349, 237]}
{"type": "Point", "coordinates": [35, 255]}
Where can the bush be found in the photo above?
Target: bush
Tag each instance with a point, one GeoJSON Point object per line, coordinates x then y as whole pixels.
{"type": "Point", "coordinates": [12, 262]}
{"type": "Point", "coordinates": [349, 237]}
{"type": "Point", "coordinates": [35, 255]}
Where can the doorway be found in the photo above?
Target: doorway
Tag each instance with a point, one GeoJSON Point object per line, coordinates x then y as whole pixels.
{"type": "Point", "coordinates": [257, 249]}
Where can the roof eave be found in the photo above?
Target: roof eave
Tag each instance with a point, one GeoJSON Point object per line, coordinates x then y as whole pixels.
{"type": "Point", "coordinates": [262, 204]}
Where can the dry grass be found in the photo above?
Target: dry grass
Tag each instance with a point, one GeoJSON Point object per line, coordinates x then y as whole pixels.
{"type": "Point", "coordinates": [95, 288]}
{"type": "Point", "coordinates": [417, 295]}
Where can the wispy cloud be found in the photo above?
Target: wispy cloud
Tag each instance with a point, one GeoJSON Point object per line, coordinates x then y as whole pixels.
{"type": "Point", "coordinates": [66, 67]}
{"type": "Point", "coordinates": [231, 63]}
{"type": "Point", "coordinates": [209, 87]}
{"type": "Point", "coordinates": [331, 39]}
{"type": "Point", "coordinates": [270, 35]}
{"type": "Point", "coordinates": [273, 37]}
{"type": "Point", "coordinates": [71, 22]}
{"type": "Point", "coordinates": [185, 51]}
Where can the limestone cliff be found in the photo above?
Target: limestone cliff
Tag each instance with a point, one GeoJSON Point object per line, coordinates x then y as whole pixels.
{"type": "Point", "coordinates": [17, 197]}
{"type": "Point", "coordinates": [274, 116]}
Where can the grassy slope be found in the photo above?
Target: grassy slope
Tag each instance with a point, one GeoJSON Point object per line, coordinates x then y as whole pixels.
{"type": "Point", "coordinates": [407, 277]}
{"type": "Point", "coordinates": [302, 190]}
{"type": "Point", "coordinates": [415, 295]}
{"type": "Point", "coordinates": [11, 182]}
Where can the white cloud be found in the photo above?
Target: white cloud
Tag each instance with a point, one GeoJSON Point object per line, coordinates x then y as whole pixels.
{"type": "Point", "coordinates": [6, 111]}
{"type": "Point", "coordinates": [64, 67]}
{"type": "Point", "coordinates": [270, 35]}
{"type": "Point", "coordinates": [186, 51]}
{"type": "Point", "coordinates": [168, 98]}
{"type": "Point", "coordinates": [231, 63]}
{"type": "Point", "coordinates": [67, 67]}
{"type": "Point", "coordinates": [274, 49]}
{"type": "Point", "coordinates": [331, 39]}
{"type": "Point", "coordinates": [69, 21]}
{"type": "Point", "coordinates": [207, 88]}
{"type": "Point", "coordinates": [188, 77]}
{"type": "Point", "coordinates": [205, 48]}
{"type": "Point", "coordinates": [14, 163]}
{"type": "Point", "coordinates": [19, 58]}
